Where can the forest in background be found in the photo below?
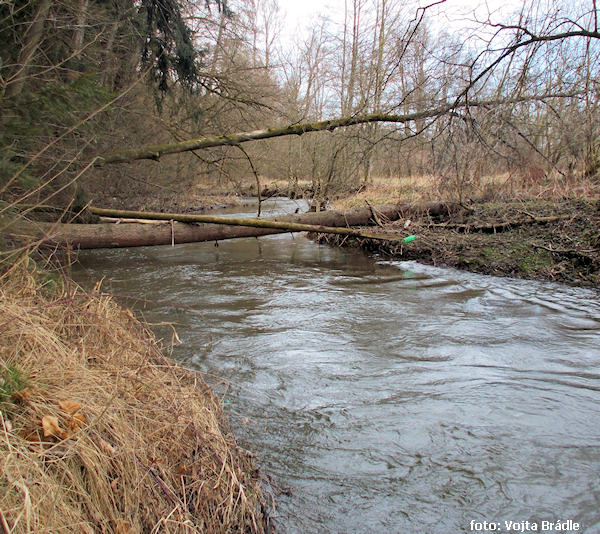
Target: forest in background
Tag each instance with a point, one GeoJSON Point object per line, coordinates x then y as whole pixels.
{"type": "Point", "coordinates": [78, 78]}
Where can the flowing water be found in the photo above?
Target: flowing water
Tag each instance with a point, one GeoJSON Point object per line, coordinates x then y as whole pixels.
{"type": "Point", "coordinates": [386, 396]}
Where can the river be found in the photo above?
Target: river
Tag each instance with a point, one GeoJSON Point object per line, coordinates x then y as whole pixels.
{"type": "Point", "coordinates": [386, 396]}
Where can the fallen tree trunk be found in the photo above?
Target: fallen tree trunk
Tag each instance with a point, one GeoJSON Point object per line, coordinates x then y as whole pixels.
{"type": "Point", "coordinates": [156, 151]}
{"type": "Point", "coordinates": [154, 217]}
{"type": "Point", "coordinates": [136, 234]}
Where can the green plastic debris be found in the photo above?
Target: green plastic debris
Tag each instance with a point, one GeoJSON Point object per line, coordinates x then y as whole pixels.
{"type": "Point", "coordinates": [409, 238]}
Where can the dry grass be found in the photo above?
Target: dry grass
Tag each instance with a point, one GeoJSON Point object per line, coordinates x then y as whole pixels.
{"type": "Point", "coordinates": [195, 199]}
{"type": "Point", "coordinates": [99, 432]}
{"type": "Point", "coordinates": [387, 190]}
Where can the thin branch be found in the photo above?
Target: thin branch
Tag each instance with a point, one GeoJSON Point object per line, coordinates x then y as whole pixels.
{"type": "Point", "coordinates": [509, 50]}
{"type": "Point", "coordinates": [256, 177]}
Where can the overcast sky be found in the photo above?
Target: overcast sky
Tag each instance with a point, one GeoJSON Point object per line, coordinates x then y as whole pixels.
{"type": "Point", "coordinates": [300, 14]}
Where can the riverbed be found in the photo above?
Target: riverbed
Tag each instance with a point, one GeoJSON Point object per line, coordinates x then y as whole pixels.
{"type": "Point", "coordinates": [383, 396]}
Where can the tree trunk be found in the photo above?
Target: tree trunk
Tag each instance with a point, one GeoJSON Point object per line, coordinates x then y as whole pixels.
{"type": "Point", "coordinates": [79, 31]}
{"type": "Point", "coordinates": [33, 37]}
{"type": "Point", "coordinates": [135, 234]}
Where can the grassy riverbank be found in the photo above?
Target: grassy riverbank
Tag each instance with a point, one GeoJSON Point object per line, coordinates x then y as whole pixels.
{"type": "Point", "coordinates": [556, 240]}
{"type": "Point", "coordinates": [100, 432]}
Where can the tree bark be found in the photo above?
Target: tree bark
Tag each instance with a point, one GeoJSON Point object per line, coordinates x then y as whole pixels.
{"type": "Point", "coordinates": [33, 37]}
{"type": "Point", "coordinates": [79, 32]}
{"type": "Point", "coordinates": [135, 234]}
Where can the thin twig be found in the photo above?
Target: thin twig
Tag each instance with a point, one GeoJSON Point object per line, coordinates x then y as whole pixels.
{"type": "Point", "coordinates": [5, 527]}
{"type": "Point", "coordinates": [160, 482]}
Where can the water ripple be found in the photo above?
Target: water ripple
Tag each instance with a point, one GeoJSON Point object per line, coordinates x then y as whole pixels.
{"type": "Point", "coordinates": [389, 396]}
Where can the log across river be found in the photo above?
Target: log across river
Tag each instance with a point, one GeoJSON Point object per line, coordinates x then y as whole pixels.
{"type": "Point", "coordinates": [188, 228]}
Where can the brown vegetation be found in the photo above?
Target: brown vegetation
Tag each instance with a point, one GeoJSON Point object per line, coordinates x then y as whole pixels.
{"type": "Point", "coordinates": [99, 432]}
{"type": "Point", "coordinates": [535, 239]}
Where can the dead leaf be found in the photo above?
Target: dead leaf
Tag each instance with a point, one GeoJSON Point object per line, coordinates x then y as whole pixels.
{"type": "Point", "coordinates": [182, 469]}
{"type": "Point", "coordinates": [122, 527]}
{"type": "Point", "coordinates": [70, 407]}
{"type": "Point", "coordinates": [79, 417]}
{"type": "Point", "coordinates": [51, 427]}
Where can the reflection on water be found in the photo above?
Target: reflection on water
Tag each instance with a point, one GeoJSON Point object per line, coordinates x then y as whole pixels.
{"type": "Point", "coordinates": [389, 397]}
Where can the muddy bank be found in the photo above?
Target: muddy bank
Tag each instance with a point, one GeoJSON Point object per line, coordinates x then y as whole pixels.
{"type": "Point", "coordinates": [543, 240]}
